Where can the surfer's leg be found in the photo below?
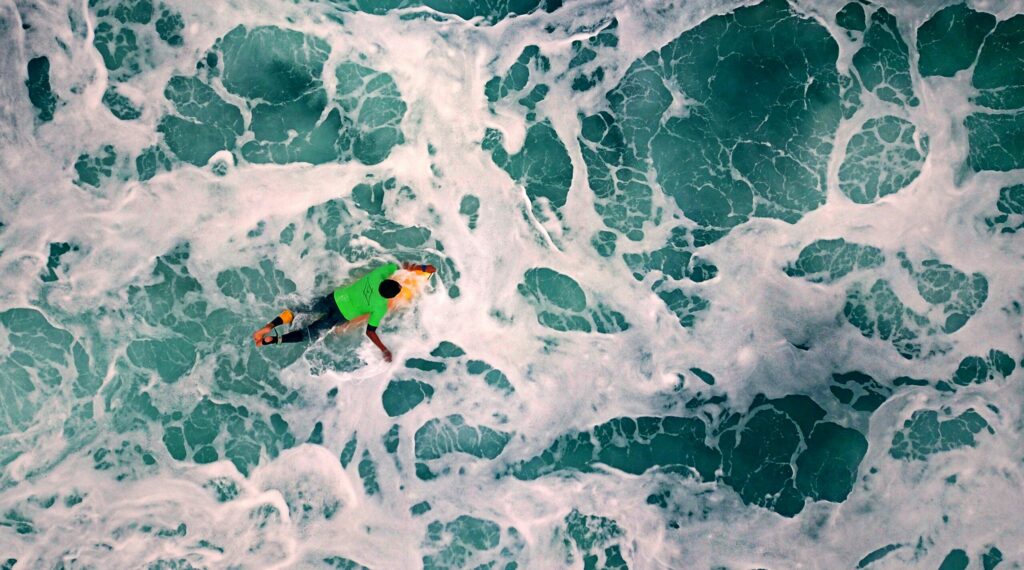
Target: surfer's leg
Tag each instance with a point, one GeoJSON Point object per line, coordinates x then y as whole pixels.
{"type": "Point", "coordinates": [314, 331]}
{"type": "Point", "coordinates": [322, 306]}
{"type": "Point", "coordinates": [317, 328]}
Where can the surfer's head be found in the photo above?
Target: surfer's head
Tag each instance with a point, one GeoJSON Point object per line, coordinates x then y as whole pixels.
{"type": "Point", "coordinates": [389, 288]}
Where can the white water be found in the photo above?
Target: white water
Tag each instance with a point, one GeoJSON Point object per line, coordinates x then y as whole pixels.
{"type": "Point", "coordinates": [585, 379]}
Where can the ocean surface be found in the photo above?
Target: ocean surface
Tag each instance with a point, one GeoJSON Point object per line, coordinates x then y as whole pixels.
{"type": "Point", "coordinates": [721, 284]}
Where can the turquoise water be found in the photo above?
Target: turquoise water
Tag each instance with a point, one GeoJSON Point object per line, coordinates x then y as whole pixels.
{"type": "Point", "coordinates": [721, 284]}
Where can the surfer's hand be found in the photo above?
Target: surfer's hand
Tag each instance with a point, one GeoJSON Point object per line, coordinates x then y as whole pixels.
{"type": "Point", "coordinates": [387, 355]}
{"type": "Point", "coordinates": [419, 267]}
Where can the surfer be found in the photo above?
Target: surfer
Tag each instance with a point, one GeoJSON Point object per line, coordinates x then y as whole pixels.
{"type": "Point", "coordinates": [367, 296]}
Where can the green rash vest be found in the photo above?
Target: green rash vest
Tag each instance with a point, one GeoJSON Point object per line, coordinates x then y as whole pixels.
{"type": "Point", "coordinates": [362, 297]}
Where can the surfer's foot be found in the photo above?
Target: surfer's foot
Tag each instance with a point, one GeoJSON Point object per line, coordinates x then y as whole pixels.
{"type": "Point", "coordinates": [257, 336]}
{"type": "Point", "coordinates": [285, 318]}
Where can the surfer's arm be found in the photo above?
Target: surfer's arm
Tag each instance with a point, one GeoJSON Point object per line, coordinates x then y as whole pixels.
{"type": "Point", "coordinates": [371, 332]}
{"type": "Point", "coordinates": [426, 267]}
